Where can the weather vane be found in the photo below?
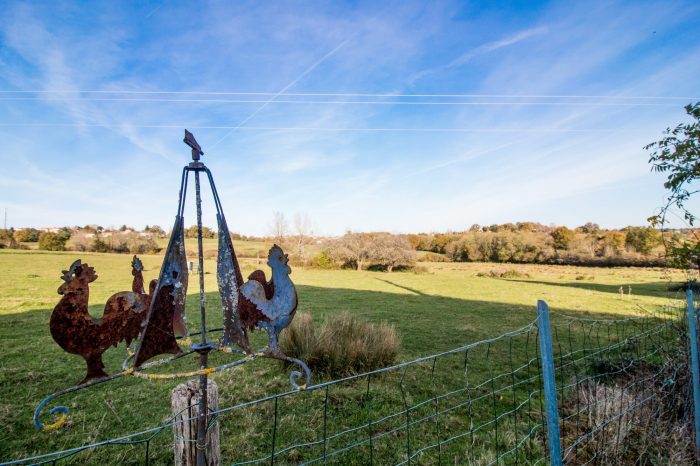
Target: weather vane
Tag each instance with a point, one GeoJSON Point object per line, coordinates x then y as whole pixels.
{"type": "Point", "coordinates": [155, 319]}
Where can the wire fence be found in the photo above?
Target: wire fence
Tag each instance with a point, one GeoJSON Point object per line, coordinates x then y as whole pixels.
{"type": "Point", "coordinates": [622, 396]}
{"type": "Point", "coordinates": [622, 389]}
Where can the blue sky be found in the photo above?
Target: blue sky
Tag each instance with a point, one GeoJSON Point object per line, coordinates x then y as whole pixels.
{"type": "Point", "coordinates": [396, 116]}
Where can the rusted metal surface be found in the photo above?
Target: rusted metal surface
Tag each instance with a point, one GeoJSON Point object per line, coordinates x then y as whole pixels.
{"type": "Point", "coordinates": [279, 309]}
{"type": "Point", "coordinates": [179, 321]}
{"type": "Point", "coordinates": [192, 142]}
{"type": "Point", "coordinates": [229, 278]}
{"type": "Point", "coordinates": [167, 302]}
{"type": "Point", "coordinates": [77, 332]}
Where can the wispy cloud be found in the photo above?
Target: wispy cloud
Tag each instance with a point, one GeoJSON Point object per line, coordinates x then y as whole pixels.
{"type": "Point", "coordinates": [480, 50]}
{"type": "Point", "coordinates": [385, 180]}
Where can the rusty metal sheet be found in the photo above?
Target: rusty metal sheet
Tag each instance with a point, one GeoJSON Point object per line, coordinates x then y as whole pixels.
{"type": "Point", "coordinates": [77, 332]}
{"type": "Point", "coordinates": [179, 321]}
{"type": "Point", "coordinates": [229, 278]}
{"type": "Point", "coordinates": [167, 301]}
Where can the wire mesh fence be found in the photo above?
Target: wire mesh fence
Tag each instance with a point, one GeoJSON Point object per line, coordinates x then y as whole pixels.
{"type": "Point", "coordinates": [623, 389]}
{"type": "Point", "coordinates": [621, 386]}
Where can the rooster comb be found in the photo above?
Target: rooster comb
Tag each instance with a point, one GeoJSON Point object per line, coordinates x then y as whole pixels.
{"type": "Point", "coordinates": [136, 264]}
{"type": "Point", "coordinates": [70, 273]}
{"type": "Point", "coordinates": [277, 249]}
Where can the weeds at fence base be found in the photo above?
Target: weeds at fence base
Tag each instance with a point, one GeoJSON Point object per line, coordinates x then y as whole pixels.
{"type": "Point", "coordinates": [628, 422]}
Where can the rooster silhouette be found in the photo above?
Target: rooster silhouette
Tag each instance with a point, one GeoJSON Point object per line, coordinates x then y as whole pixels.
{"type": "Point", "coordinates": [274, 303]}
{"type": "Point", "coordinates": [77, 332]}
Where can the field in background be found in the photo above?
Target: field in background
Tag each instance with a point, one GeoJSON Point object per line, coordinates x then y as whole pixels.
{"type": "Point", "coordinates": [448, 305]}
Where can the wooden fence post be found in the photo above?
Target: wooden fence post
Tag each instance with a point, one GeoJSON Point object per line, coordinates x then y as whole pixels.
{"type": "Point", "coordinates": [185, 399]}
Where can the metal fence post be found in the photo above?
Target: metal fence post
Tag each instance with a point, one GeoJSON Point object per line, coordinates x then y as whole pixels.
{"type": "Point", "coordinates": [693, 343]}
{"type": "Point", "coordinates": [550, 389]}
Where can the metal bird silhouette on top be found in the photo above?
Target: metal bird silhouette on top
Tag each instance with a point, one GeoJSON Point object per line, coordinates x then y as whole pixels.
{"type": "Point", "coordinates": [156, 319]}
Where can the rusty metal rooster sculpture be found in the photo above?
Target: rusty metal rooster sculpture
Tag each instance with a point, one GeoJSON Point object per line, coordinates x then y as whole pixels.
{"type": "Point", "coordinates": [77, 332]}
{"type": "Point", "coordinates": [156, 319]}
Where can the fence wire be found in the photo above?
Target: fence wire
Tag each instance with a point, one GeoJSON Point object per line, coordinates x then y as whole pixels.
{"type": "Point", "coordinates": [621, 386]}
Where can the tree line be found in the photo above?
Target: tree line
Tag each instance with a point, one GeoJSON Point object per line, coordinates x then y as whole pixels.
{"type": "Point", "coordinates": [530, 242]}
{"type": "Point", "coordinates": [522, 242]}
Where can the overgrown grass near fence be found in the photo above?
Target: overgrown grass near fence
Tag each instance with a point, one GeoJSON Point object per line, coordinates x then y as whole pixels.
{"type": "Point", "coordinates": [624, 389]}
{"type": "Point", "coordinates": [621, 386]}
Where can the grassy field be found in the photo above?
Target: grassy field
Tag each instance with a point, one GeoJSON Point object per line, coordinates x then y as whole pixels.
{"type": "Point", "coordinates": [444, 307]}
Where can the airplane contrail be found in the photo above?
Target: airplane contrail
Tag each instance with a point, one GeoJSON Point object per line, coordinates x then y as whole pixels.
{"type": "Point", "coordinates": [298, 78]}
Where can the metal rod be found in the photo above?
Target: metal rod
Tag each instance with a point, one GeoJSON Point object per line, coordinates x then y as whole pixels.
{"type": "Point", "coordinates": [200, 252]}
{"type": "Point", "coordinates": [550, 388]}
{"type": "Point", "coordinates": [203, 355]}
{"type": "Point", "coordinates": [693, 343]}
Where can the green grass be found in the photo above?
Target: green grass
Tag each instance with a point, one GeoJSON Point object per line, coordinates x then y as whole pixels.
{"type": "Point", "coordinates": [448, 306]}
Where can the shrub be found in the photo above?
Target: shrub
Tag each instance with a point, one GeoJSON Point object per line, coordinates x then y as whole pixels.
{"type": "Point", "coordinates": [117, 242]}
{"type": "Point", "coordinates": [191, 232]}
{"type": "Point", "coordinates": [144, 246]}
{"type": "Point", "coordinates": [508, 274]}
{"type": "Point", "coordinates": [155, 230]}
{"type": "Point", "coordinates": [99, 246]}
{"type": "Point", "coordinates": [433, 257]}
{"type": "Point", "coordinates": [7, 239]}
{"type": "Point", "coordinates": [642, 239]}
{"type": "Point", "coordinates": [52, 241]}
{"type": "Point", "coordinates": [27, 235]}
{"type": "Point", "coordinates": [342, 345]}
{"type": "Point", "coordinates": [323, 261]}
{"type": "Point", "coordinates": [562, 237]}
{"type": "Point", "coordinates": [80, 242]}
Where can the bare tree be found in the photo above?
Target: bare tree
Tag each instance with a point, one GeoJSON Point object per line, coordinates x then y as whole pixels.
{"type": "Point", "coordinates": [302, 230]}
{"type": "Point", "coordinates": [362, 248]}
{"type": "Point", "coordinates": [355, 248]}
{"type": "Point", "coordinates": [392, 250]}
{"type": "Point", "coordinates": [279, 228]}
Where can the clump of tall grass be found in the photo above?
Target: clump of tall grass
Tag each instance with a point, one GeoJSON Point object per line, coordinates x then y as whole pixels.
{"type": "Point", "coordinates": [341, 345]}
{"type": "Point", "coordinates": [507, 274]}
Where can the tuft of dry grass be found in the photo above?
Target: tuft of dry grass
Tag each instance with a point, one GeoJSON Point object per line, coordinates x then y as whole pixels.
{"type": "Point", "coordinates": [627, 428]}
{"type": "Point", "coordinates": [507, 274]}
{"type": "Point", "coordinates": [342, 344]}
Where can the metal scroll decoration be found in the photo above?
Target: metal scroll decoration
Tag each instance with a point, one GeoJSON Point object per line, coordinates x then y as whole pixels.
{"type": "Point", "coordinates": [155, 319]}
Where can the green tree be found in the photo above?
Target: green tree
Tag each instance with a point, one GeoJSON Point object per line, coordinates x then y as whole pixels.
{"type": "Point", "coordinates": [207, 232]}
{"type": "Point", "coordinates": [643, 239]}
{"type": "Point", "coordinates": [52, 241]}
{"type": "Point", "coordinates": [7, 239]}
{"type": "Point", "coordinates": [678, 156]}
{"type": "Point", "coordinates": [562, 237]}
{"type": "Point", "coordinates": [527, 226]}
{"type": "Point", "coordinates": [419, 242]}
{"type": "Point", "coordinates": [614, 241]}
{"type": "Point", "coordinates": [98, 245]}
{"type": "Point", "coordinates": [590, 227]}
{"type": "Point", "coordinates": [27, 235]}
{"type": "Point", "coordinates": [155, 229]}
